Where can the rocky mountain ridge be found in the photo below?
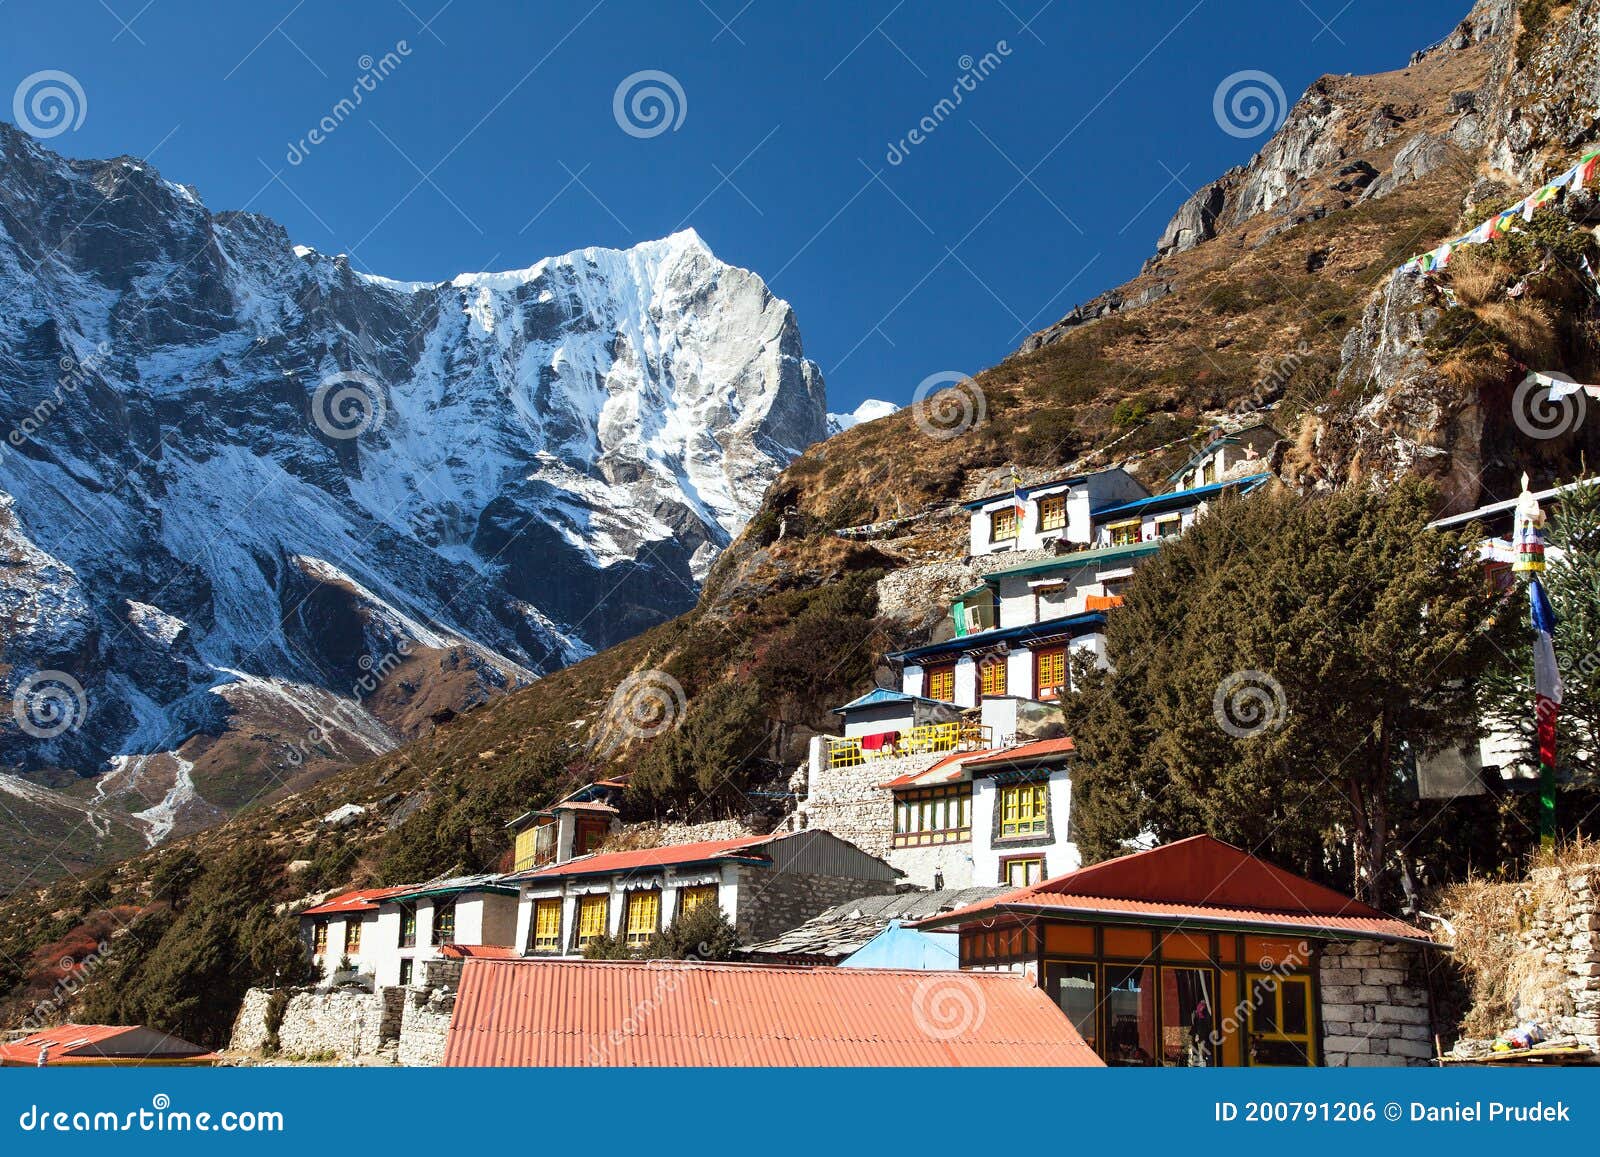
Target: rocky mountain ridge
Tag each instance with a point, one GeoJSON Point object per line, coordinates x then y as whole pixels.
{"type": "Point", "coordinates": [263, 515]}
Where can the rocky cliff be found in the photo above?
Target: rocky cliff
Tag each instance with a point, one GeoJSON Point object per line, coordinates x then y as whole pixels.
{"type": "Point", "coordinates": [263, 515]}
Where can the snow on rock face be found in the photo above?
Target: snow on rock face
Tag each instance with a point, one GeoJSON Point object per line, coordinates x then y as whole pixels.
{"type": "Point", "coordinates": [227, 458]}
{"type": "Point", "coordinates": [869, 411]}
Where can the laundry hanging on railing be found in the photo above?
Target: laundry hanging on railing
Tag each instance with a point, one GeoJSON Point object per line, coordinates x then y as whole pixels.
{"type": "Point", "coordinates": [1580, 175]}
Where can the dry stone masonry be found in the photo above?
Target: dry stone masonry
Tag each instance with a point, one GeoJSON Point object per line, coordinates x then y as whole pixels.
{"type": "Point", "coordinates": [1375, 1009]}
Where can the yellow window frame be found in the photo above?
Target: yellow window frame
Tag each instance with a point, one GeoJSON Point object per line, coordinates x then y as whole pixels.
{"type": "Point", "coordinates": [1124, 533]}
{"type": "Point", "coordinates": [942, 683]}
{"type": "Point", "coordinates": [547, 925]}
{"type": "Point", "coordinates": [644, 916]}
{"type": "Point", "coordinates": [319, 938]}
{"type": "Point", "coordinates": [1024, 809]}
{"type": "Point", "coordinates": [352, 937]}
{"type": "Point", "coordinates": [1278, 982]}
{"type": "Point", "coordinates": [700, 896]}
{"type": "Point", "coordinates": [594, 912]}
{"type": "Point", "coordinates": [1003, 524]}
{"type": "Point", "coordinates": [992, 675]}
{"type": "Point", "coordinates": [1022, 863]}
{"type": "Point", "coordinates": [1050, 671]}
{"type": "Point", "coordinates": [1053, 512]}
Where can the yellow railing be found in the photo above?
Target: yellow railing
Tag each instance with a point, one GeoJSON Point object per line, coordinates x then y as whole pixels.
{"type": "Point", "coordinates": [930, 738]}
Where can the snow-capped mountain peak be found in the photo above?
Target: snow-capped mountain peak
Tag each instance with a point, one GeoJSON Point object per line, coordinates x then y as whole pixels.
{"type": "Point", "coordinates": [239, 476]}
{"type": "Point", "coordinates": [867, 411]}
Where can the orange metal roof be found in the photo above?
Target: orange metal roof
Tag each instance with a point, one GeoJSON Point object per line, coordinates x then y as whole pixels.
{"type": "Point", "coordinates": [647, 858]}
{"type": "Point", "coordinates": [1200, 880]}
{"type": "Point", "coordinates": [478, 952]}
{"type": "Point", "coordinates": [1036, 750]}
{"type": "Point", "coordinates": [947, 770]}
{"type": "Point", "coordinates": [361, 900]}
{"type": "Point", "coordinates": [674, 1013]}
{"type": "Point", "coordinates": [69, 1044]}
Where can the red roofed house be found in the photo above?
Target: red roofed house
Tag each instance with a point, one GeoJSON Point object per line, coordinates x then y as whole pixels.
{"type": "Point", "coordinates": [673, 1013]}
{"type": "Point", "coordinates": [387, 934]}
{"type": "Point", "coordinates": [102, 1044]}
{"type": "Point", "coordinates": [764, 884]}
{"type": "Point", "coordinates": [345, 927]}
{"type": "Point", "coordinates": [976, 819]}
{"type": "Point", "coordinates": [1198, 953]}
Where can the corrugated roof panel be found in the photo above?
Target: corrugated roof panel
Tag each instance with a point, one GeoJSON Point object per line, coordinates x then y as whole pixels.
{"type": "Point", "coordinates": [651, 1013]}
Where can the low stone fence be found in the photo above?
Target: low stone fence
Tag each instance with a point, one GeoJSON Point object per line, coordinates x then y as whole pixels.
{"type": "Point", "coordinates": [349, 1023]}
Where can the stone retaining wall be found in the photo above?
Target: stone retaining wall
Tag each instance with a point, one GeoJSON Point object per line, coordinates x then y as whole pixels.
{"type": "Point", "coordinates": [1536, 947]}
{"type": "Point", "coordinates": [343, 1023]}
{"type": "Point", "coordinates": [1374, 1005]}
{"type": "Point", "coordinates": [424, 1025]}
{"type": "Point", "coordinates": [250, 1030]}
{"type": "Point", "coordinates": [848, 802]}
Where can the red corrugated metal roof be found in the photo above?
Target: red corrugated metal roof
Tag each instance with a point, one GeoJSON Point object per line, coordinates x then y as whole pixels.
{"type": "Point", "coordinates": [647, 858]}
{"type": "Point", "coordinates": [1023, 752]}
{"type": "Point", "coordinates": [673, 1013]}
{"type": "Point", "coordinates": [1199, 880]}
{"type": "Point", "coordinates": [478, 952]}
{"type": "Point", "coordinates": [72, 1044]}
{"type": "Point", "coordinates": [947, 769]}
{"type": "Point", "coordinates": [361, 900]}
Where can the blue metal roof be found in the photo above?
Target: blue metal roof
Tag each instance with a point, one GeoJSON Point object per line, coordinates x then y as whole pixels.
{"type": "Point", "coordinates": [1070, 625]}
{"type": "Point", "coordinates": [1179, 498]}
{"type": "Point", "coordinates": [880, 695]}
{"type": "Point", "coordinates": [900, 947]}
{"type": "Point", "coordinates": [1025, 491]}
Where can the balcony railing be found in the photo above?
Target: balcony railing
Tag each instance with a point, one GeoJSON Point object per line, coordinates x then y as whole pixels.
{"type": "Point", "coordinates": [928, 739]}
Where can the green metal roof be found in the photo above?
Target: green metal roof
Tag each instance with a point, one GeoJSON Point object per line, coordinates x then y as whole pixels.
{"type": "Point", "coordinates": [1078, 559]}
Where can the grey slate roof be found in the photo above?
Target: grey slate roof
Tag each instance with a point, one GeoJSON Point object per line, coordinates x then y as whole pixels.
{"type": "Point", "coordinates": [846, 927]}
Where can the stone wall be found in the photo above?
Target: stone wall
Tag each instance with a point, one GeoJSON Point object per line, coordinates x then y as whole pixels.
{"type": "Point", "coordinates": [848, 802]}
{"type": "Point", "coordinates": [343, 1023]}
{"type": "Point", "coordinates": [250, 1029]}
{"type": "Point", "coordinates": [1374, 1005]}
{"type": "Point", "coordinates": [424, 1025]}
{"type": "Point", "coordinates": [771, 903]}
{"type": "Point", "coordinates": [1531, 950]}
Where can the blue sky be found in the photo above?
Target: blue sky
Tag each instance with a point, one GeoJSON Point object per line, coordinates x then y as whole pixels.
{"type": "Point", "coordinates": [492, 141]}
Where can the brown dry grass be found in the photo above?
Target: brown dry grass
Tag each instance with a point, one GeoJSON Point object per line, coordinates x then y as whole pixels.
{"type": "Point", "coordinates": [1490, 916]}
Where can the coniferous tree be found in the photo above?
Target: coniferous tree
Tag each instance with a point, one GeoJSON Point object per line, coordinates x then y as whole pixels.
{"type": "Point", "coordinates": [1275, 672]}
